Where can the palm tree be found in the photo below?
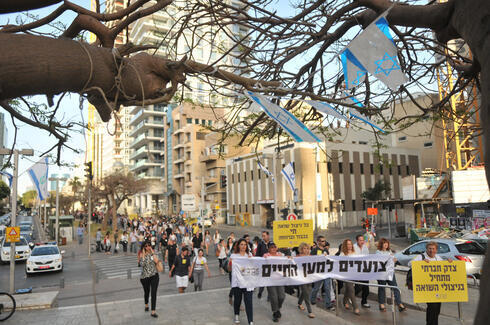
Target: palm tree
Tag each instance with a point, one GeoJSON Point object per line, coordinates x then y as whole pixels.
{"type": "Point", "coordinates": [75, 185]}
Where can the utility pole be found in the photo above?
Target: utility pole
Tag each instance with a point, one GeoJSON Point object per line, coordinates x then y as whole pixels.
{"type": "Point", "coordinates": [203, 194]}
{"type": "Point", "coordinates": [90, 176]}
{"type": "Point", "coordinates": [13, 221]}
{"type": "Point", "coordinates": [57, 227]}
{"type": "Point", "coordinates": [45, 215]}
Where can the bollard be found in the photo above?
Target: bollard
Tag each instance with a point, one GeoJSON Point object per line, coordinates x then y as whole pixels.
{"type": "Point", "coordinates": [129, 274]}
{"type": "Point", "coordinates": [62, 282]}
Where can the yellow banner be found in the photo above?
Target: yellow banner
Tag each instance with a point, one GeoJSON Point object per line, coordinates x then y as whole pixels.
{"type": "Point", "coordinates": [291, 233]}
{"type": "Point", "coordinates": [440, 281]}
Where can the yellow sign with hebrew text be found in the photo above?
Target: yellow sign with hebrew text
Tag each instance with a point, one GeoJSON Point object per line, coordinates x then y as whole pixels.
{"type": "Point", "coordinates": [439, 281]}
{"type": "Point", "coordinates": [291, 233]}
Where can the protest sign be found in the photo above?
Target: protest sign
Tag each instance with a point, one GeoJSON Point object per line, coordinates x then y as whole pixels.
{"type": "Point", "coordinates": [278, 271]}
{"type": "Point", "coordinates": [440, 281]}
{"type": "Point", "coordinates": [291, 233]}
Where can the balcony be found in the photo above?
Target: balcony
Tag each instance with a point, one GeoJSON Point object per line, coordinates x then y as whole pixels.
{"type": "Point", "coordinates": [210, 179]}
{"type": "Point", "coordinates": [179, 175]}
{"type": "Point", "coordinates": [146, 163]}
{"type": "Point", "coordinates": [141, 152]}
{"type": "Point", "coordinates": [207, 158]}
{"type": "Point", "coordinates": [179, 160]}
{"type": "Point", "coordinates": [188, 184]}
{"type": "Point", "coordinates": [144, 113]}
{"type": "Point", "coordinates": [145, 125]}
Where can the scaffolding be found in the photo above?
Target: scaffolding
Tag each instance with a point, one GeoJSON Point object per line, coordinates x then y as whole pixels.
{"type": "Point", "coordinates": [460, 120]}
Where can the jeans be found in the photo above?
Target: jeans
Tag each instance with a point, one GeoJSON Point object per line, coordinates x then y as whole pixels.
{"type": "Point", "coordinates": [179, 238]}
{"type": "Point", "coordinates": [382, 291]}
{"type": "Point", "coordinates": [125, 246]}
{"type": "Point", "coordinates": [305, 294]}
{"type": "Point", "coordinates": [134, 247]}
{"type": "Point", "coordinates": [198, 279]}
{"type": "Point", "coordinates": [365, 291]}
{"type": "Point", "coordinates": [327, 285]}
{"type": "Point", "coordinates": [349, 294]}
{"type": "Point", "coordinates": [98, 246]}
{"type": "Point", "coordinates": [432, 313]}
{"type": "Point", "coordinates": [276, 296]}
{"type": "Point", "coordinates": [237, 301]}
{"type": "Point", "coordinates": [151, 284]}
{"type": "Point", "coordinates": [80, 239]}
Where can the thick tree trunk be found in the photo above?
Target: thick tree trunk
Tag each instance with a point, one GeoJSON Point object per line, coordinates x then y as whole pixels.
{"type": "Point", "coordinates": [471, 18]}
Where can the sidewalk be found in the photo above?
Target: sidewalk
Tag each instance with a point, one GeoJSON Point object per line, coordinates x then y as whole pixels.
{"type": "Point", "coordinates": [206, 307]}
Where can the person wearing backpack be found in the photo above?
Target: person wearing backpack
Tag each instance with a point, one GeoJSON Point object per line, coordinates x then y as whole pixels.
{"type": "Point", "coordinates": [430, 255]}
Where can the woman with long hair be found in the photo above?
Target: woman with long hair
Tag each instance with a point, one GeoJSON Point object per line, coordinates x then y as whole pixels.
{"type": "Point", "coordinates": [198, 265]}
{"type": "Point", "coordinates": [149, 275]}
{"type": "Point", "coordinates": [305, 289]}
{"type": "Point", "coordinates": [384, 248]}
{"type": "Point", "coordinates": [221, 253]}
{"type": "Point", "coordinates": [207, 241]}
{"type": "Point", "coordinates": [241, 249]}
{"type": "Point", "coordinates": [216, 238]}
{"type": "Point", "coordinates": [347, 250]}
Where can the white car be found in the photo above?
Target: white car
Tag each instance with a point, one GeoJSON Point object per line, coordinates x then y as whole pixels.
{"type": "Point", "coordinates": [22, 251]}
{"type": "Point", "coordinates": [44, 258]}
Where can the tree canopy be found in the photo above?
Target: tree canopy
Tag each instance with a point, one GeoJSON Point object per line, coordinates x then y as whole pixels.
{"type": "Point", "coordinates": [279, 52]}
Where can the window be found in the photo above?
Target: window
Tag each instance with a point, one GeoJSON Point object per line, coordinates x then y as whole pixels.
{"type": "Point", "coordinates": [363, 142]}
{"type": "Point", "coordinates": [251, 175]}
{"type": "Point", "coordinates": [238, 177]}
{"type": "Point", "coordinates": [408, 170]}
{"type": "Point", "coordinates": [245, 176]}
{"type": "Point", "coordinates": [442, 248]}
{"type": "Point", "coordinates": [210, 123]}
{"type": "Point", "coordinates": [189, 121]}
{"type": "Point", "coordinates": [371, 168]}
{"type": "Point", "coordinates": [353, 205]}
{"type": "Point", "coordinates": [340, 168]}
{"type": "Point", "coordinates": [203, 122]}
{"type": "Point", "coordinates": [402, 139]}
{"type": "Point", "coordinates": [399, 170]}
{"type": "Point", "coordinates": [351, 168]}
{"type": "Point", "coordinates": [253, 208]}
{"type": "Point", "coordinates": [234, 208]}
{"type": "Point", "coordinates": [362, 169]}
{"type": "Point", "coordinates": [470, 248]}
{"type": "Point", "coordinates": [343, 205]}
{"type": "Point", "coordinates": [416, 249]}
{"type": "Point", "coordinates": [391, 170]}
{"type": "Point", "coordinates": [196, 121]}
{"type": "Point", "coordinates": [157, 118]}
{"type": "Point", "coordinates": [246, 207]}
{"type": "Point", "coordinates": [381, 169]}
{"type": "Point", "coordinates": [428, 145]}
{"type": "Point", "coordinates": [329, 167]}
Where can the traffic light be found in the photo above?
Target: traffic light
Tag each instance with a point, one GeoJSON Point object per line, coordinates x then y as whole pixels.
{"type": "Point", "coordinates": [88, 170]}
{"type": "Point", "coordinates": [223, 181]}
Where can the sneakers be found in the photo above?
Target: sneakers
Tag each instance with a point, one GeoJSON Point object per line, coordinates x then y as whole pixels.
{"type": "Point", "coordinates": [331, 308]}
{"type": "Point", "coordinates": [366, 305]}
{"type": "Point", "coordinates": [279, 314]}
{"type": "Point", "coordinates": [237, 319]}
{"type": "Point", "coordinates": [275, 319]}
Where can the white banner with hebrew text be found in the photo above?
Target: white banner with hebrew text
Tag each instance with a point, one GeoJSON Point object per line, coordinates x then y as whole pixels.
{"type": "Point", "coordinates": [253, 272]}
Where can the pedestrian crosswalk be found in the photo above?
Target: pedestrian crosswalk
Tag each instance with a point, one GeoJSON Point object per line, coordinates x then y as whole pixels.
{"type": "Point", "coordinates": [117, 266]}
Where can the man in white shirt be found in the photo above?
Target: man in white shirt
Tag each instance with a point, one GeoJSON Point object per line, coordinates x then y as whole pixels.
{"type": "Point", "coordinates": [361, 248]}
{"type": "Point", "coordinates": [430, 255]}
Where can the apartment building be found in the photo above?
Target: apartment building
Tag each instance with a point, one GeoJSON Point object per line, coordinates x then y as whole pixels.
{"type": "Point", "coordinates": [329, 176]}
{"type": "Point", "coordinates": [185, 138]}
{"type": "Point", "coordinates": [147, 157]}
{"type": "Point", "coordinates": [213, 156]}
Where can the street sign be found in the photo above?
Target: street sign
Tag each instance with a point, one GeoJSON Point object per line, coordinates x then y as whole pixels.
{"type": "Point", "coordinates": [292, 216]}
{"type": "Point", "coordinates": [372, 211]}
{"type": "Point", "coordinates": [188, 202]}
{"type": "Point", "coordinates": [12, 234]}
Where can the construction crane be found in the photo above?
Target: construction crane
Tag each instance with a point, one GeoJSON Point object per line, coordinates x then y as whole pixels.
{"type": "Point", "coordinates": [461, 120]}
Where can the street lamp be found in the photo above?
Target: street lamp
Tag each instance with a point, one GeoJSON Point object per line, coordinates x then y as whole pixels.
{"type": "Point", "coordinates": [24, 152]}
{"type": "Point", "coordinates": [57, 179]}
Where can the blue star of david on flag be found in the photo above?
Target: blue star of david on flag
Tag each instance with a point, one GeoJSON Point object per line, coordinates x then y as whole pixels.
{"type": "Point", "coordinates": [387, 70]}
{"type": "Point", "coordinates": [360, 78]}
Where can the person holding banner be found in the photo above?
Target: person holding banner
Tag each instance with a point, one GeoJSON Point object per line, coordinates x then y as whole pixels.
{"type": "Point", "coordinates": [242, 249]}
{"type": "Point", "coordinates": [322, 249]}
{"type": "Point", "coordinates": [384, 248]}
{"type": "Point", "coordinates": [348, 250]}
{"type": "Point", "coordinates": [276, 293]}
{"type": "Point", "coordinates": [305, 289]}
{"type": "Point", "coordinates": [361, 248]}
{"type": "Point", "coordinates": [430, 255]}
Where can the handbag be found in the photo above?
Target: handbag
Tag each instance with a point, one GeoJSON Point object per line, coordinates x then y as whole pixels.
{"type": "Point", "coordinates": [160, 266]}
{"type": "Point", "coordinates": [217, 251]}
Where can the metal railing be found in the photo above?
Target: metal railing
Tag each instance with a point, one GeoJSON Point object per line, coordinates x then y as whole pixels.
{"type": "Point", "coordinates": [370, 285]}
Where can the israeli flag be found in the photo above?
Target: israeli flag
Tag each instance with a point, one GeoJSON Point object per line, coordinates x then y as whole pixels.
{"type": "Point", "coordinates": [372, 51]}
{"type": "Point", "coordinates": [354, 113]}
{"type": "Point", "coordinates": [9, 176]}
{"type": "Point", "coordinates": [288, 173]}
{"type": "Point", "coordinates": [294, 127]}
{"type": "Point", "coordinates": [328, 109]}
{"type": "Point", "coordinates": [39, 177]}
{"type": "Point", "coordinates": [265, 170]}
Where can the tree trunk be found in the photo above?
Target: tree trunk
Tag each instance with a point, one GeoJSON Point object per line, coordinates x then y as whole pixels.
{"type": "Point", "coordinates": [114, 213]}
{"type": "Point", "coordinates": [471, 18]}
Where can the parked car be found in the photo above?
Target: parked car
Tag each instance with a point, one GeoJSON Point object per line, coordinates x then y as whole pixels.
{"type": "Point", "coordinates": [468, 251]}
{"type": "Point", "coordinates": [44, 258]}
{"type": "Point", "coordinates": [22, 250]}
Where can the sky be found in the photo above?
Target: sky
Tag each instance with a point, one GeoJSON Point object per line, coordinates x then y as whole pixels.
{"type": "Point", "coordinates": [29, 137]}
